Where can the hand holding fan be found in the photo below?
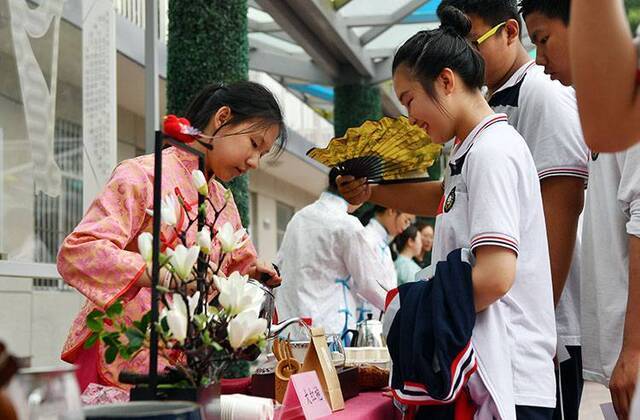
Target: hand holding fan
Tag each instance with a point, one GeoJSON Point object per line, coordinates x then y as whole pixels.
{"type": "Point", "coordinates": [389, 151]}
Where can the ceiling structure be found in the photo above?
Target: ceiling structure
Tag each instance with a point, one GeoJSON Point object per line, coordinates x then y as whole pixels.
{"type": "Point", "coordinates": [312, 45]}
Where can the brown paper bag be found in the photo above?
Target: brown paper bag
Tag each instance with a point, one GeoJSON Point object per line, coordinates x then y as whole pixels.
{"type": "Point", "coordinates": [318, 359]}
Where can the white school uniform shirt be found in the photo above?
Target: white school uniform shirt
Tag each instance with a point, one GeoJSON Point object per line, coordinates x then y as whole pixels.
{"type": "Point", "coordinates": [379, 240]}
{"type": "Point", "coordinates": [545, 113]}
{"type": "Point", "coordinates": [492, 197]}
{"type": "Point", "coordinates": [324, 260]}
{"type": "Point", "coordinates": [612, 213]}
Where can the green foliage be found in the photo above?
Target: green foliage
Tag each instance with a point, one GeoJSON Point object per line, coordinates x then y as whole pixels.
{"type": "Point", "coordinates": [240, 188]}
{"type": "Point", "coordinates": [135, 334]}
{"type": "Point", "coordinates": [355, 104]}
{"type": "Point", "coordinates": [207, 43]}
{"type": "Point", "coordinates": [633, 13]}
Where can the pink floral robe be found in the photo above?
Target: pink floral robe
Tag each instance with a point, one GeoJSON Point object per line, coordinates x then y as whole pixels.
{"type": "Point", "coordinates": [100, 257]}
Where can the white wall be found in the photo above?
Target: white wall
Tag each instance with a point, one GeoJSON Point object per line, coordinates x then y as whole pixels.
{"type": "Point", "coordinates": [270, 190]}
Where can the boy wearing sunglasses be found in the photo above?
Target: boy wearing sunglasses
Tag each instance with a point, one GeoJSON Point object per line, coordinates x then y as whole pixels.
{"type": "Point", "coordinates": [545, 113]}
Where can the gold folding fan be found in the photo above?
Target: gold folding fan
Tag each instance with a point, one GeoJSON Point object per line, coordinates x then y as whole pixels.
{"type": "Point", "coordinates": [389, 151]}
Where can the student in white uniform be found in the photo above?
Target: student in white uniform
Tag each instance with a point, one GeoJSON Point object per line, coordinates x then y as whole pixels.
{"type": "Point", "coordinates": [381, 229]}
{"type": "Point", "coordinates": [611, 226]}
{"type": "Point", "coordinates": [545, 113]}
{"type": "Point", "coordinates": [492, 205]}
{"type": "Point", "coordinates": [327, 259]}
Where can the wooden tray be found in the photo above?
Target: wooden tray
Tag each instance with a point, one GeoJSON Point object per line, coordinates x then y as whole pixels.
{"type": "Point", "coordinates": [264, 385]}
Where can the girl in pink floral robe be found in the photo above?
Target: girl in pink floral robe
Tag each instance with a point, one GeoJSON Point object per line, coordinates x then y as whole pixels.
{"type": "Point", "coordinates": [100, 257]}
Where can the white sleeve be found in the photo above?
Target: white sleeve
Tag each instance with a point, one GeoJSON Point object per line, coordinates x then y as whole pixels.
{"type": "Point", "coordinates": [552, 130]}
{"type": "Point", "coordinates": [364, 267]}
{"type": "Point", "coordinates": [629, 188]}
{"type": "Point", "coordinates": [494, 200]}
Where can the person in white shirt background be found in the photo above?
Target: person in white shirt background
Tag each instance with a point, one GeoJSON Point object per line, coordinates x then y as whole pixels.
{"type": "Point", "coordinates": [545, 113]}
{"type": "Point", "coordinates": [327, 259]}
{"type": "Point", "coordinates": [611, 243]}
{"type": "Point", "coordinates": [383, 226]}
{"type": "Point", "coordinates": [492, 205]}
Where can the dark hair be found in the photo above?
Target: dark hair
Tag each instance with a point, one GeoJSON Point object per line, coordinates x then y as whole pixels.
{"type": "Point", "coordinates": [377, 209]}
{"type": "Point", "coordinates": [493, 12]}
{"type": "Point", "coordinates": [247, 101]}
{"type": "Point", "coordinates": [553, 9]}
{"type": "Point", "coordinates": [421, 224]}
{"type": "Point", "coordinates": [333, 186]}
{"type": "Point", "coordinates": [427, 53]}
{"type": "Point", "coordinates": [401, 240]}
{"type": "Point", "coordinates": [368, 211]}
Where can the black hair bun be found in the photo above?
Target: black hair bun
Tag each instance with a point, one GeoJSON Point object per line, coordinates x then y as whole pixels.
{"type": "Point", "coordinates": [452, 19]}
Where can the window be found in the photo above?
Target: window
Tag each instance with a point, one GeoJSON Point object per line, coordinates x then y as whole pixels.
{"type": "Point", "coordinates": [55, 217]}
{"type": "Point", "coordinates": [284, 213]}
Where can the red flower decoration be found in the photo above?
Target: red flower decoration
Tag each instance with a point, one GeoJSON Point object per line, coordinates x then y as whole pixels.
{"type": "Point", "coordinates": [180, 129]}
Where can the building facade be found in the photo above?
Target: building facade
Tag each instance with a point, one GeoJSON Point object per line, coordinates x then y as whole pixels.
{"type": "Point", "coordinates": [71, 108]}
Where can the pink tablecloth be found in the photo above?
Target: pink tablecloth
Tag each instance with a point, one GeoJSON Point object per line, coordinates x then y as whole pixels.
{"type": "Point", "coordinates": [369, 406]}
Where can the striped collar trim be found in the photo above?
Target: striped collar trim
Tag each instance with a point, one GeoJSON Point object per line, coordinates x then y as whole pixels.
{"type": "Point", "coordinates": [464, 147]}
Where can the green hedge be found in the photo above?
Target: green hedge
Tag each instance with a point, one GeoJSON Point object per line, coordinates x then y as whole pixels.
{"type": "Point", "coordinates": [207, 44]}
{"type": "Point", "coordinates": [355, 104]}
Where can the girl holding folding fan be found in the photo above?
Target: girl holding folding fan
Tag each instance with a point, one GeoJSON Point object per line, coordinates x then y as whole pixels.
{"type": "Point", "coordinates": [489, 203]}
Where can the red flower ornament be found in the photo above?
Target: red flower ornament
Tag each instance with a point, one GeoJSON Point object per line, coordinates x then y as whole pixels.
{"type": "Point", "coordinates": [180, 129]}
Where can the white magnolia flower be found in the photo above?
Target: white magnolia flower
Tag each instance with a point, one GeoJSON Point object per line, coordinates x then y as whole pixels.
{"type": "Point", "coordinates": [177, 315]}
{"type": "Point", "coordinates": [200, 182]}
{"type": "Point", "coordinates": [236, 295]}
{"type": "Point", "coordinates": [169, 210]}
{"type": "Point", "coordinates": [182, 259]}
{"type": "Point", "coordinates": [203, 239]}
{"type": "Point", "coordinates": [246, 329]}
{"type": "Point", "coordinates": [145, 246]}
{"type": "Point", "coordinates": [193, 303]}
{"type": "Point", "coordinates": [231, 240]}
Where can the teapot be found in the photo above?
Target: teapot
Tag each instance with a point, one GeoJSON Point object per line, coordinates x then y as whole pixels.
{"type": "Point", "coordinates": [267, 308]}
{"type": "Point", "coordinates": [368, 333]}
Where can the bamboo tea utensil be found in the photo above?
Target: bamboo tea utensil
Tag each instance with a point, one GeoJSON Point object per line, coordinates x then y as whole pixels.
{"type": "Point", "coordinates": [286, 367]}
{"type": "Point", "coordinates": [276, 349]}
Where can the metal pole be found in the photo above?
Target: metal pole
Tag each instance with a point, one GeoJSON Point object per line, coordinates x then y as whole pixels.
{"type": "Point", "coordinates": [151, 122]}
{"type": "Point", "coordinates": [153, 143]}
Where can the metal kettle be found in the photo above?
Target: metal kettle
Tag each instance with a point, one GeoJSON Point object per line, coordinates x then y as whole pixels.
{"type": "Point", "coordinates": [267, 309]}
{"type": "Point", "coordinates": [368, 333]}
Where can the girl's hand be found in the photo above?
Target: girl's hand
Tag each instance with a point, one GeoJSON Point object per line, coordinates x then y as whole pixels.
{"type": "Point", "coordinates": [355, 191]}
{"type": "Point", "coordinates": [265, 273]}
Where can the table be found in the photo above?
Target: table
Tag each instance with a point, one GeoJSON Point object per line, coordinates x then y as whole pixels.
{"type": "Point", "coordinates": [369, 406]}
{"type": "Point", "coordinates": [366, 406]}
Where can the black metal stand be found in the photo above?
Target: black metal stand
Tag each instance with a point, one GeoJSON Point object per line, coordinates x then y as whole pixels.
{"type": "Point", "coordinates": [149, 390]}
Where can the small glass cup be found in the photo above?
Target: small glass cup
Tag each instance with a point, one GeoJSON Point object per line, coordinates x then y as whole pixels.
{"type": "Point", "coordinates": [336, 349]}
